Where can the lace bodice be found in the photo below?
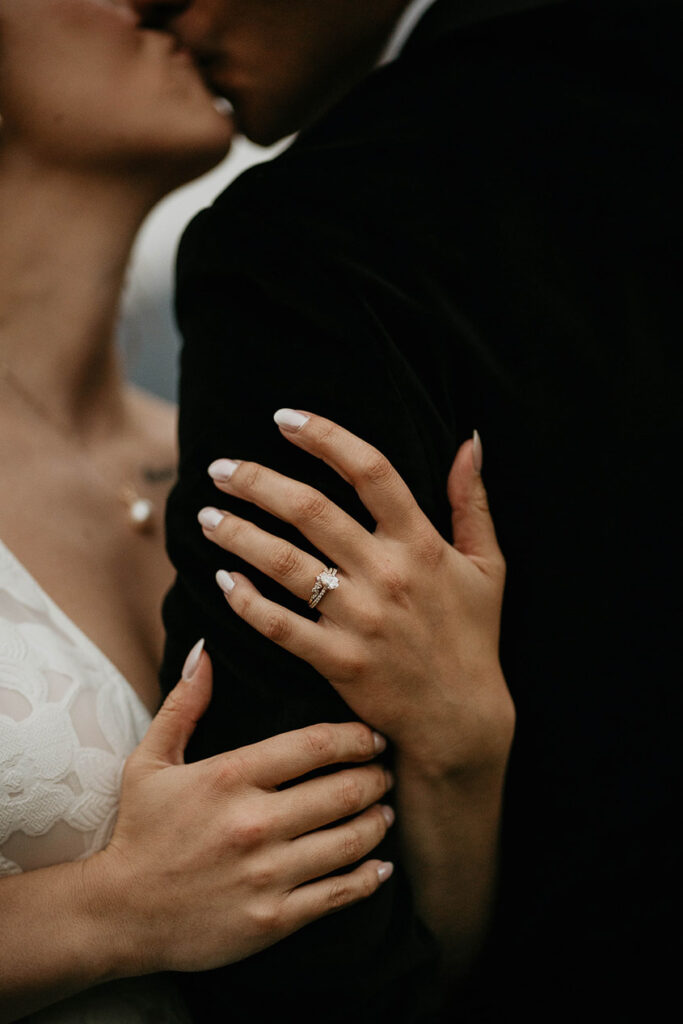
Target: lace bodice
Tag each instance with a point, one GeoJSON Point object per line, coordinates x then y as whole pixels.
{"type": "Point", "coordinates": [68, 720]}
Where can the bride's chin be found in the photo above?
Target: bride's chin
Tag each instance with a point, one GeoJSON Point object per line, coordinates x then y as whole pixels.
{"type": "Point", "coordinates": [180, 168]}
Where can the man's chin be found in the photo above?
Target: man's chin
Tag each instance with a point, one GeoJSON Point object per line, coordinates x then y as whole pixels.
{"type": "Point", "coordinates": [261, 134]}
{"type": "Point", "coordinates": [266, 128]}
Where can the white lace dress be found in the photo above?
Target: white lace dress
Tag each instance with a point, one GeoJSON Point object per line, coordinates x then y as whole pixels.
{"type": "Point", "coordinates": [68, 720]}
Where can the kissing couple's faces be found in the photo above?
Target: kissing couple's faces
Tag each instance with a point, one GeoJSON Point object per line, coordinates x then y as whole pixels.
{"type": "Point", "coordinates": [279, 62]}
{"type": "Point", "coordinates": [82, 82]}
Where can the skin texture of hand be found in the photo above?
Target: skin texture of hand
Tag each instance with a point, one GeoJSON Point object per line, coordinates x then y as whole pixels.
{"type": "Point", "coordinates": [208, 863]}
{"type": "Point", "coordinates": [410, 636]}
{"type": "Point", "coordinates": [238, 852]}
{"type": "Point", "coordinates": [409, 639]}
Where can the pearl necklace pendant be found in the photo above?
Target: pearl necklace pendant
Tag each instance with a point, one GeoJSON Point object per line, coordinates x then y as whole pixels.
{"type": "Point", "coordinates": [140, 510]}
{"type": "Point", "coordinates": [141, 514]}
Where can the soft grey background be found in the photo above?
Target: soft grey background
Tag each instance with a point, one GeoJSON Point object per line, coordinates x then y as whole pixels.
{"type": "Point", "coordinates": [147, 329]}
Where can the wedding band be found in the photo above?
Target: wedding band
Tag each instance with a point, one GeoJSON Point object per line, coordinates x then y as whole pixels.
{"type": "Point", "coordinates": [324, 581]}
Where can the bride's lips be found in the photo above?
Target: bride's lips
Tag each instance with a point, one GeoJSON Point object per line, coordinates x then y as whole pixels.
{"type": "Point", "coordinates": [209, 67]}
{"type": "Point", "coordinates": [198, 64]}
{"type": "Point", "coordinates": [184, 53]}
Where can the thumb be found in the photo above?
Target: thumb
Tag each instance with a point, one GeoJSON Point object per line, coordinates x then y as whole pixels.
{"type": "Point", "coordinates": [474, 534]}
{"type": "Point", "coordinates": [176, 719]}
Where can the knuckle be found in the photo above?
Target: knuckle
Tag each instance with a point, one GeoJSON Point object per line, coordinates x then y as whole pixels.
{"type": "Point", "coordinates": [380, 825]}
{"type": "Point", "coordinates": [247, 833]}
{"type": "Point", "coordinates": [353, 846]}
{"type": "Point", "coordinates": [481, 502]}
{"type": "Point", "coordinates": [262, 876]}
{"type": "Point", "coordinates": [310, 505]}
{"type": "Point", "coordinates": [375, 468]}
{"type": "Point", "coordinates": [171, 705]}
{"type": "Point", "coordinates": [285, 561]}
{"type": "Point", "coordinates": [393, 581]}
{"type": "Point", "coordinates": [226, 773]}
{"type": "Point", "coordinates": [327, 435]}
{"type": "Point", "coordinates": [372, 622]}
{"type": "Point", "coordinates": [363, 739]}
{"type": "Point", "coordinates": [321, 741]}
{"type": "Point", "coordinates": [224, 776]}
{"type": "Point", "coordinates": [352, 666]}
{"type": "Point", "coordinates": [232, 528]}
{"type": "Point", "coordinates": [249, 476]}
{"type": "Point", "coordinates": [266, 918]}
{"type": "Point", "coordinates": [430, 549]}
{"type": "Point", "coordinates": [350, 793]}
{"type": "Point", "coordinates": [379, 780]}
{"type": "Point", "coordinates": [368, 883]}
{"type": "Point", "coordinates": [276, 627]}
{"type": "Point", "coordinates": [340, 892]}
{"type": "Point", "coordinates": [243, 602]}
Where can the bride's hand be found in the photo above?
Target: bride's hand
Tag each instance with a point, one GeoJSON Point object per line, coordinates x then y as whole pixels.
{"type": "Point", "coordinates": [211, 862]}
{"type": "Point", "coordinates": [409, 638]}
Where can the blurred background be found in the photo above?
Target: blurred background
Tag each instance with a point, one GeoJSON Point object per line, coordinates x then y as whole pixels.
{"type": "Point", "coordinates": [147, 331]}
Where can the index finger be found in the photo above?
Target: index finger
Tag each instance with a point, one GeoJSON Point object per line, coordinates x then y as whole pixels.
{"type": "Point", "coordinates": [290, 755]}
{"type": "Point", "coordinates": [382, 490]}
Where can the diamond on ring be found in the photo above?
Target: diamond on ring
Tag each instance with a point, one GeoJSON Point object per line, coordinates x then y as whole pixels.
{"type": "Point", "coordinates": [324, 581]}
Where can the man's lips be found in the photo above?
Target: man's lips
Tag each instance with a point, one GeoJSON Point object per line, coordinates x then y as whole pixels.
{"type": "Point", "coordinates": [209, 66]}
{"type": "Point", "coordinates": [185, 54]}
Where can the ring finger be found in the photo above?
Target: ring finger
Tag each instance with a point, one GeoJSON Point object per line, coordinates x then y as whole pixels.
{"type": "Point", "coordinates": [321, 801]}
{"type": "Point", "coordinates": [319, 853]}
{"type": "Point", "coordinates": [283, 562]}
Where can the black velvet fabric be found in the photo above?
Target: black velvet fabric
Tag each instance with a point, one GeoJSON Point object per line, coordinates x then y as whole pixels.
{"type": "Point", "coordinates": [484, 234]}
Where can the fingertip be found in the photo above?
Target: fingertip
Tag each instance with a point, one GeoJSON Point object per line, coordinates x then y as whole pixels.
{"type": "Point", "coordinates": [464, 478]}
{"type": "Point", "coordinates": [290, 420]}
{"type": "Point", "coordinates": [388, 814]}
{"type": "Point", "coordinates": [378, 742]}
{"type": "Point", "coordinates": [384, 871]}
{"type": "Point", "coordinates": [192, 662]}
{"type": "Point", "coordinates": [209, 518]}
{"type": "Point", "coordinates": [225, 581]}
{"type": "Point", "coordinates": [477, 453]}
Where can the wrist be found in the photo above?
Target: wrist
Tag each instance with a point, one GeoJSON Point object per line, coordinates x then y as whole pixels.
{"type": "Point", "coordinates": [465, 741]}
{"type": "Point", "coordinates": [110, 920]}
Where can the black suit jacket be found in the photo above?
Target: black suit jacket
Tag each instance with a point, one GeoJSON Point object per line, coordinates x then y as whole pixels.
{"type": "Point", "coordinates": [485, 234]}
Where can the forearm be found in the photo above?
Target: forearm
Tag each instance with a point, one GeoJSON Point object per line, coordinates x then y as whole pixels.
{"type": "Point", "coordinates": [449, 827]}
{"type": "Point", "coordinates": [60, 937]}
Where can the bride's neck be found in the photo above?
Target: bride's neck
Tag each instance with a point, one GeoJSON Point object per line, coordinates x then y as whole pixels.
{"type": "Point", "coordinates": [64, 249]}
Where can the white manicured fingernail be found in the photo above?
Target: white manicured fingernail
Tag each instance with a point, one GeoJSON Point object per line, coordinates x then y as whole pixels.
{"type": "Point", "coordinates": [192, 661]}
{"type": "Point", "coordinates": [225, 581]}
{"type": "Point", "coordinates": [210, 518]}
{"type": "Point", "coordinates": [222, 469]}
{"type": "Point", "coordinates": [385, 871]}
{"type": "Point", "coordinates": [388, 813]}
{"type": "Point", "coordinates": [477, 452]}
{"type": "Point", "coordinates": [289, 419]}
{"type": "Point", "coordinates": [379, 741]}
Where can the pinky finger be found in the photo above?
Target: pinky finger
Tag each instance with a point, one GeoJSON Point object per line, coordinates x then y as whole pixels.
{"type": "Point", "coordinates": [296, 634]}
{"type": "Point", "coordinates": [318, 899]}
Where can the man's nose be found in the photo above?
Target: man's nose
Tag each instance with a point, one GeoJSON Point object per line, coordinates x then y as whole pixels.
{"type": "Point", "coordinates": [157, 13]}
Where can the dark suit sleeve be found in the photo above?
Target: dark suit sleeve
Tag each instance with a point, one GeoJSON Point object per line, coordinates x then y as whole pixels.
{"type": "Point", "coordinates": [272, 317]}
